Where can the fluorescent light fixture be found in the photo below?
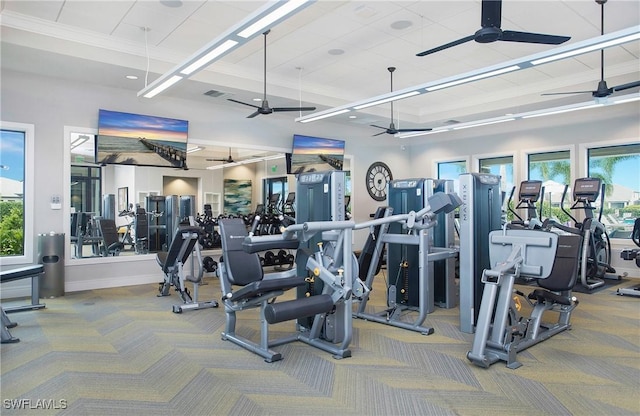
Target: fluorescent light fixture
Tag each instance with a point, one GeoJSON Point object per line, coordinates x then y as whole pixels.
{"type": "Point", "coordinates": [157, 90]}
{"type": "Point", "coordinates": [530, 114]}
{"type": "Point", "coordinates": [386, 100]}
{"type": "Point", "coordinates": [226, 45]}
{"type": "Point", "coordinates": [320, 117]}
{"type": "Point", "coordinates": [600, 42]}
{"type": "Point", "coordinates": [484, 123]}
{"type": "Point", "coordinates": [590, 48]}
{"type": "Point", "coordinates": [77, 142]}
{"type": "Point", "coordinates": [474, 78]}
{"type": "Point", "coordinates": [195, 149]}
{"type": "Point", "coordinates": [560, 110]}
{"type": "Point", "coordinates": [627, 98]}
{"type": "Point", "coordinates": [279, 13]}
{"type": "Point", "coordinates": [272, 13]}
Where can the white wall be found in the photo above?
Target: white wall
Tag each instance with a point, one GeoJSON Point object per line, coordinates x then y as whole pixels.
{"type": "Point", "coordinates": [51, 104]}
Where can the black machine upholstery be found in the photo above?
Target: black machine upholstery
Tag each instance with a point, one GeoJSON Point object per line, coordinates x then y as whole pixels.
{"type": "Point", "coordinates": [564, 273]}
{"type": "Point", "coordinates": [244, 269]}
{"type": "Point", "coordinates": [168, 260]}
{"type": "Point", "coordinates": [366, 256]}
{"type": "Point", "coordinates": [109, 232]}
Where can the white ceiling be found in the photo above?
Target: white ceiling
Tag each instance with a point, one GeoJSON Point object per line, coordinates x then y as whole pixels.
{"type": "Point", "coordinates": [106, 40]}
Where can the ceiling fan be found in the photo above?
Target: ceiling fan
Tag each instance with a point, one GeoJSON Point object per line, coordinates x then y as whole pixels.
{"type": "Point", "coordinates": [491, 32]}
{"type": "Point", "coordinates": [392, 127]}
{"type": "Point", "coordinates": [224, 160]}
{"type": "Point", "coordinates": [603, 90]}
{"type": "Point", "coordinates": [264, 107]}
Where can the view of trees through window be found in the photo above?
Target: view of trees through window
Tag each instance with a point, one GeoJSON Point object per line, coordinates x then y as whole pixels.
{"type": "Point", "coordinates": [12, 162]}
{"type": "Point", "coordinates": [619, 169]}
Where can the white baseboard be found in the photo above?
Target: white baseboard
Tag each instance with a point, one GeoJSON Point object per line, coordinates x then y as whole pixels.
{"type": "Point", "coordinates": [22, 288]}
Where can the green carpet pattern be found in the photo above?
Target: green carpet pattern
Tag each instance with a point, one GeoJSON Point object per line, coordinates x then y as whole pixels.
{"type": "Point", "coordinates": [123, 352]}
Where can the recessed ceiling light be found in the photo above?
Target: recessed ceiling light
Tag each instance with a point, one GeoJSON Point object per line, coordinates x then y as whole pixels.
{"type": "Point", "coordinates": [352, 116]}
{"type": "Point", "coordinates": [401, 24]}
{"type": "Point", "coordinates": [131, 76]}
{"type": "Point", "coordinates": [258, 100]}
{"type": "Point", "coordinates": [336, 51]}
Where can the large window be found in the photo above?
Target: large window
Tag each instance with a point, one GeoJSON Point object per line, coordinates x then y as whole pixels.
{"type": "Point", "coordinates": [502, 166]}
{"type": "Point", "coordinates": [16, 193]}
{"type": "Point", "coordinates": [451, 170]}
{"type": "Point", "coordinates": [619, 169]}
{"type": "Point", "coordinates": [554, 170]}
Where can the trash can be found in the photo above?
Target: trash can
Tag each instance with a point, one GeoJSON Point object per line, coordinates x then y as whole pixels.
{"type": "Point", "coordinates": [51, 256]}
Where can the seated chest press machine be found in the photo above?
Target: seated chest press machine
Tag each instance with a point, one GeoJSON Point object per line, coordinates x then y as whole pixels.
{"type": "Point", "coordinates": [553, 261]}
{"type": "Point", "coordinates": [183, 245]}
{"type": "Point", "coordinates": [245, 286]}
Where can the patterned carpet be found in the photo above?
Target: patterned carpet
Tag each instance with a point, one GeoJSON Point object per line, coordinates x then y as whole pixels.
{"type": "Point", "coordinates": [122, 351]}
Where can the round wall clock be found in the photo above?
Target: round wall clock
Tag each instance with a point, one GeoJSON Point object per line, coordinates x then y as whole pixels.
{"type": "Point", "coordinates": [378, 177]}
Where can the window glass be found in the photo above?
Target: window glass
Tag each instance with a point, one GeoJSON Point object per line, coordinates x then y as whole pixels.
{"type": "Point", "coordinates": [554, 170]}
{"type": "Point", "coordinates": [12, 203]}
{"type": "Point", "coordinates": [502, 166]}
{"type": "Point", "coordinates": [451, 170]}
{"type": "Point", "coordinates": [619, 169]}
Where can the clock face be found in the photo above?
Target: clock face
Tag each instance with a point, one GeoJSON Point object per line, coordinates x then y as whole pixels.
{"type": "Point", "coordinates": [378, 176]}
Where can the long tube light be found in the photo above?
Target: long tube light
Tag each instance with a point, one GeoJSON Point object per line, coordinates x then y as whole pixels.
{"type": "Point", "coordinates": [256, 23]}
{"type": "Point", "coordinates": [600, 42]}
{"type": "Point", "coordinates": [530, 114]}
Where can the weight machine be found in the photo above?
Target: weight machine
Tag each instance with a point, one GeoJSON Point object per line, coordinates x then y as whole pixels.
{"type": "Point", "coordinates": [551, 259]}
{"type": "Point", "coordinates": [184, 245]}
{"type": "Point", "coordinates": [416, 227]}
{"type": "Point", "coordinates": [329, 312]}
{"type": "Point", "coordinates": [480, 214]}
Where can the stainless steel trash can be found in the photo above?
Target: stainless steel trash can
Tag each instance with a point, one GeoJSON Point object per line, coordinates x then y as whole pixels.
{"type": "Point", "coordinates": [51, 256]}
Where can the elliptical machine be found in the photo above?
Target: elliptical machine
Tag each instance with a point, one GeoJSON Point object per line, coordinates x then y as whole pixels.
{"type": "Point", "coordinates": [596, 251]}
{"type": "Point", "coordinates": [528, 195]}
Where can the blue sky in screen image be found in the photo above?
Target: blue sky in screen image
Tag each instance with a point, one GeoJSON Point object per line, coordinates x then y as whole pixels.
{"type": "Point", "coordinates": [12, 155]}
{"type": "Point", "coordinates": [317, 145]}
{"type": "Point", "coordinates": [113, 123]}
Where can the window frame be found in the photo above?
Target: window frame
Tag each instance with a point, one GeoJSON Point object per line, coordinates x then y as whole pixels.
{"type": "Point", "coordinates": [29, 193]}
{"type": "Point", "coordinates": [437, 162]}
{"type": "Point", "coordinates": [475, 161]}
{"type": "Point", "coordinates": [583, 169]}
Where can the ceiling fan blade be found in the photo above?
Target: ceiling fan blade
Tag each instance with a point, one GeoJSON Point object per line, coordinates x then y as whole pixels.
{"type": "Point", "coordinates": [446, 46]}
{"type": "Point", "coordinates": [280, 109]}
{"type": "Point", "coordinates": [626, 86]}
{"type": "Point", "coordinates": [380, 127]}
{"type": "Point", "coordinates": [410, 130]}
{"type": "Point", "coordinates": [491, 13]}
{"type": "Point", "coordinates": [567, 93]}
{"type": "Point", "coordinates": [255, 113]}
{"type": "Point", "coordinates": [378, 134]}
{"type": "Point", "coordinates": [240, 102]}
{"type": "Point", "coordinates": [528, 37]}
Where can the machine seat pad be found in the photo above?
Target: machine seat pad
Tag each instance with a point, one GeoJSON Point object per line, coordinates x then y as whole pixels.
{"type": "Point", "coordinates": [255, 289]}
{"type": "Point", "coordinates": [21, 272]}
{"type": "Point", "coordinates": [545, 295]}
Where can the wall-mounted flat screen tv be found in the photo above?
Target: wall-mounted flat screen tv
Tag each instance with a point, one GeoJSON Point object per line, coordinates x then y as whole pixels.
{"type": "Point", "coordinates": [135, 139]}
{"type": "Point", "coordinates": [315, 154]}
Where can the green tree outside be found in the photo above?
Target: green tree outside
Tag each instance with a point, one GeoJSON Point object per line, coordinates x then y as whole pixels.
{"type": "Point", "coordinates": [11, 228]}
